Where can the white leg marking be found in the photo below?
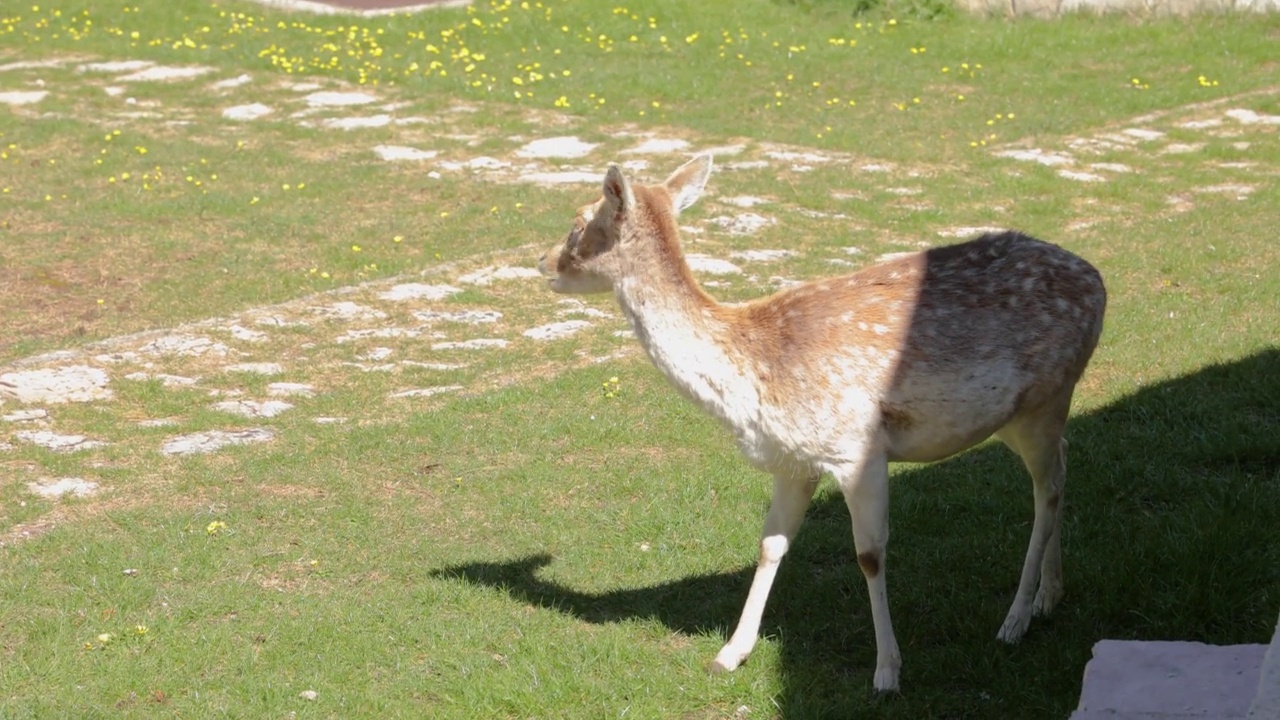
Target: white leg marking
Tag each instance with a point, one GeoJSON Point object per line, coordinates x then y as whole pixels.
{"type": "Point", "coordinates": [790, 500]}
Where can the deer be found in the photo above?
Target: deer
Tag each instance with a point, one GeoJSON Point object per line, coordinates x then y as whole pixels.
{"type": "Point", "coordinates": [913, 359]}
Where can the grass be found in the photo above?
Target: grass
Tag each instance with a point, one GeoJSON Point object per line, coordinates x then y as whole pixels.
{"type": "Point", "coordinates": [540, 543]}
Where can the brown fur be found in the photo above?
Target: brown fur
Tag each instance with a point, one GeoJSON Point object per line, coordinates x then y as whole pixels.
{"type": "Point", "coordinates": [913, 359]}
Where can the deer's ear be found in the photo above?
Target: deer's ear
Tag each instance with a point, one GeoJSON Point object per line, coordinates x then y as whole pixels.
{"type": "Point", "coordinates": [687, 182]}
{"type": "Point", "coordinates": [618, 199]}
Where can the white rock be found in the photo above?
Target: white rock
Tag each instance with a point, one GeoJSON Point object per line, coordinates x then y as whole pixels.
{"type": "Point", "coordinates": [64, 486]}
{"type": "Point", "coordinates": [308, 695]}
{"type": "Point", "coordinates": [243, 333]}
{"type": "Point", "coordinates": [486, 163]}
{"type": "Point", "coordinates": [22, 97]}
{"type": "Point", "coordinates": [1113, 167]}
{"type": "Point", "coordinates": [117, 357]}
{"type": "Point", "coordinates": [337, 99]}
{"type": "Point", "coordinates": [32, 64]}
{"type": "Point", "coordinates": [400, 152]}
{"type": "Point", "coordinates": [25, 415]}
{"type": "Point", "coordinates": [426, 392]}
{"type": "Point", "coordinates": [73, 383]}
{"type": "Point", "coordinates": [208, 441]}
{"type": "Point", "coordinates": [385, 367]}
{"type": "Point", "coordinates": [486, 276]}
{"type": "Point", "coordinates": [744, 201]}
{"type": "Point", "coordinates": [761, 255]}
{"type": "Point", "coordinates": [962, 231]}
{"type": "Point", "coordinates": [56, 442]}
{"type": "Point", "coordinates": [348, 311]}
{"type": "Point", "coordinates": [1249, 117]}
{"type": "Point", "coordinates": [744, 224]}
{"type": "Point", "coordinates": [469, 317]}
{"type": "Point", "coordinates": [807, 157]}
{"type": "Point", "coordinates": [1038, 156]}
{"type": "Point", "coordinates": [157, 422]}
{"type": "Point", "coordinates": [351, 335]}
{"type": "Point", "coordinates": [587, 311]}
{"type": "Point", "coordinates": [419, 291]}
{"type": "Point", "coordinates": [161, 72]}
{"type": "Point", "coordinates": [432, 365]}
{"type": "Point", "coordinates": [252, 111]}
{"type": "Point", "coordinates": [886, 257]}
{"type": "Point", "coordinates": [328, 420]}
{"type": "Point", "coordinates": [253, 408]}
{"type": "Point", "coordinates": [657, 145]}
{"type": "Point", "coordinates": [1143, 134]}
{"type": "Point", "coordinates": [277, 321]}
{"type": "Point", "coordinates": [476, 344]}
{"type": "Point", "coordinates": [556, 147]}
{"type": "Point", "coordinates": [1240, 191]}
{"type": "Point", "coordinates": [256, 368]}
{"type": "Point", "coordinates": [556, 330]}
{"type": "Point", "coordinates": [117, 66]}
{"type": "Point", "coordinates": [711, 266]}
{"type": "Point", "coordinates": [184, 345]}
{"type": "Point", "coordinates": [562, 178]}
{"type": "Point", "coordinates": [376, 354]}
{"type": "Point", "coordinates": [358, 123]}
{"type": "Point", "coordinates": [291, 389]}
{"type": "Point", "coordinates": [234, 82]}
{"type": "Point", "coordinates": [1081, 176]}
{"type": "Point", "coordinates": [165, 379]}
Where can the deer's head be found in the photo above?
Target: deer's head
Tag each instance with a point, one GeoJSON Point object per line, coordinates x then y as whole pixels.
{"type": "Point", "coordinates": [592, 258]}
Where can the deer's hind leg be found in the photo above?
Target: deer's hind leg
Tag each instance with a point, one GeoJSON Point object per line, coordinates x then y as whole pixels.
{"type": "Point", "coordinates": [1036, 437]}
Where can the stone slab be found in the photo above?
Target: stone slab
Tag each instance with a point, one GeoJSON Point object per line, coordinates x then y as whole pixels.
{"type": "Point", "coordinates": [1266, 705]}
{"type": "Point", "coordinates": [1170, 680]}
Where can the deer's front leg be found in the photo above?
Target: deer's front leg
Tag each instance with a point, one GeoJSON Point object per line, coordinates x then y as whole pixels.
{"type": "Point", "coordinates": [790, 500]}
{"type": "Point", "coordinates": [866, 493]}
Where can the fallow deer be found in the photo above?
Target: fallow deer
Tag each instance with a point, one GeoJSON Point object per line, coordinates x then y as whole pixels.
{"type": "Point", "coordinates": [914, 359]}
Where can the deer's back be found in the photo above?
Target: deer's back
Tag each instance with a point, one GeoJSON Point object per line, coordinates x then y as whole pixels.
{"type": "Point", "coordinates": [943, 347]}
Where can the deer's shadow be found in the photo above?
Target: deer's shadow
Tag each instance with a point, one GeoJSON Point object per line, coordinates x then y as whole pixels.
{"type": "Point", "coordinates": [1162, 540]}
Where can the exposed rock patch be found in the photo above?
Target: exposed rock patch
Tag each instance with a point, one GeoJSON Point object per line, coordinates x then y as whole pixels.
{"type": "Point", "coordinates": [211, 440]}
{"type": "Point", "coordinates": [73, 383]}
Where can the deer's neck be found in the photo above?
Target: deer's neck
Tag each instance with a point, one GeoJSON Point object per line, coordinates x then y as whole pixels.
{"type": "Point", "coordinates": [685, 332]}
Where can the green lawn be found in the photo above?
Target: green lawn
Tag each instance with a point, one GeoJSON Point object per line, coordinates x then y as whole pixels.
{"type": "Point", "coordinates": [518, 538]}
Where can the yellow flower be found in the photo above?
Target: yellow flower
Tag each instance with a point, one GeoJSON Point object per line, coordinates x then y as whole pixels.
{"type": "Point", "coordinates": [104, 638]}
{"type": "Point", "coordinates": [215, 527]}
{"type": "Point", "coordinates": [355, 248]}
{"type": "Point", "coordinates": [141, 629]}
